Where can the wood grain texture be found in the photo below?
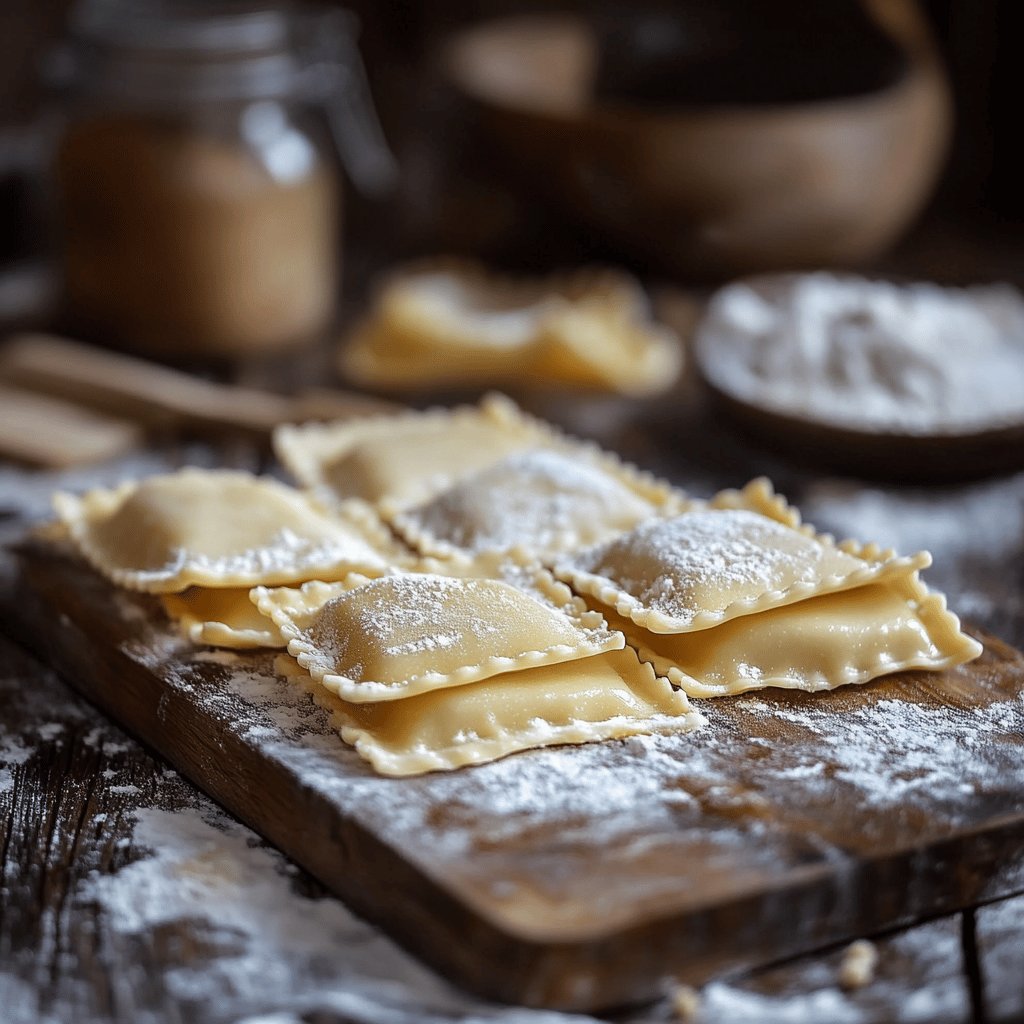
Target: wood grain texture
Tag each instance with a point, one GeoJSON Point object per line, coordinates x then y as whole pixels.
{"type": "Point", "coordinates": [65, 815]}
{"type": "Point", "coordinates": [753, 840]}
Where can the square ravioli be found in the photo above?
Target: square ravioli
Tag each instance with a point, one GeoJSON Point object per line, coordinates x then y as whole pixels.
{"type": "Point", "coordinates": [722, 561]}
{"type": "Point", "coordinates": [386, 639]}
{"type": "Point", "coordinates": [217, 528]}
{"type": "Point", "coordinates": [395, 462]}
{"type": "Point", "coordinates": [604, 696]}
{"type": "Point", "coordinates": [540, 501]}
{"type": "Point", "coordinates": [222, 617]}
{"type": "Point", "coordinates": [850, 636]}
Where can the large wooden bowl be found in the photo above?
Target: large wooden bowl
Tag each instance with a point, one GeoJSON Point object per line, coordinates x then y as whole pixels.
{"type": "Point", "coordinates": [712, 190]}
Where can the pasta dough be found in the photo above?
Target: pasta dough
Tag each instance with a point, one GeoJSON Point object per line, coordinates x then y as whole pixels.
{"type": "Point", "coordinates": [222, 618]}
{"type": "Point", "coordinates": [390, 638]}
{"type": "Point", "coordinates": [214, 528]}
{"type": "Point", "coordinates": [600, 697]}
{"type": "Point", "coordinates": [394, 462]}
{"type": "Point", "coordinates": [540, 501]}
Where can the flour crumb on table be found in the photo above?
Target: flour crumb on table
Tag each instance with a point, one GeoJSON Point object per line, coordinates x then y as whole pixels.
{"type": "Point", "coordinates": [857, 968]}
{"type": "Point", "coordinates": [685, 1001]}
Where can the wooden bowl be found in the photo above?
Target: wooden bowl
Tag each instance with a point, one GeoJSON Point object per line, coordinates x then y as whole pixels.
{"type": "Point", "coordinates": [878, 455]}
{"type": "Point", "coordinates": [712, 190]}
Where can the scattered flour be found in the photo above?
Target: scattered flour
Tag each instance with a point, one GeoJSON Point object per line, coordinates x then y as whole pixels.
{"type": "Point", "coordinates": [20, 1002]}
{"type": "Point", "coordinates": [722, 1002]}
{"type": "Point", "coordinates": [869, 355]}
{"type": "Point", "coordinates": [271, 954]}
{"type": "Point", "coordinates": [13, 752]}
{"type": "Point", "coordinates": [983, 519]}
{"type": "Point", "coordinates": [805, 991]}
{"type": "Point", "coordinates": [631, 797]}
{"type": "Point", "coordinates": [1000, 934]}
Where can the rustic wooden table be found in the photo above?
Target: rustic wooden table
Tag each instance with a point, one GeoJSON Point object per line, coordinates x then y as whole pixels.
{"type": "Point", "coordinates": [128, 896]}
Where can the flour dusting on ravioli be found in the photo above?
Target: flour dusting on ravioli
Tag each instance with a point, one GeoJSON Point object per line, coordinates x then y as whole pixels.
{"type": "Point", "coordinates": [212, 528]}
{"type": "Point", "coordinates": [390, 638]}
{"type": "Point", "coordinates": [675, 574]}
{"type": "Point", "coordinates": [540, 500]}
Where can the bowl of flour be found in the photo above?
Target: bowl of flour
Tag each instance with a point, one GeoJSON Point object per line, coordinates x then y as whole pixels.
{"type": "Point", "coordinates": [890, 379]}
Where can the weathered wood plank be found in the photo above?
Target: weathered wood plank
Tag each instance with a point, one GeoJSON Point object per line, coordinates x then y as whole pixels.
{"type": "Point", "coordinates": [792, 822]}
{"type": "Point", "coordinates": [69, 783]}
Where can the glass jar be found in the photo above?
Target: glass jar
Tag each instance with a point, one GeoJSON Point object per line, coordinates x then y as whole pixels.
{"type": "Point", "coordinates": [199, 191]}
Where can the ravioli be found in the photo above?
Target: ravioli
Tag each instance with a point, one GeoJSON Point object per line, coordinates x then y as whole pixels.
{"type": "Point", "coordinates": [823, 642]}
{"type": "Point", "coordinates": [214, 528]}
{"type": "Point", "coordinates": [712, 564]}
{"type": "Point", "coordinates": [386, 639]}
{"type": "Point", "coordinates": [454, 324]}
{"type": "Point", "coordinates": [601, 697]}
{"type": "Point", "coordinates": [394, 462]}
{"type": "Point", "coordinates": [540, 501]}
{"type": "Point", "coordinates": [222, 618]}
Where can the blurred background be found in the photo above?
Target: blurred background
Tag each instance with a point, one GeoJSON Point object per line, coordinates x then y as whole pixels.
{"type": "Point", "coordinates": [225, 181]}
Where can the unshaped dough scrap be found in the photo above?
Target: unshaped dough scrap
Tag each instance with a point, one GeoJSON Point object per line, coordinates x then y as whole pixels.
{"type": "Point", "coordinates": [716, 563]}
{"type": "Point", "coordinates": [215, 528]}
{"type": "Point", "coordinates": [600, 697]}
{"type": "Point", "coordinates": [541, 501]}
{"type": "Point", "coordinates": [222, 617]}
{"type": "Point", "coordinates": [390, 638]}
{"type": "Point", "coordinates": [395, 462]}
{"type": "Point", "coordinates": [850, 636]}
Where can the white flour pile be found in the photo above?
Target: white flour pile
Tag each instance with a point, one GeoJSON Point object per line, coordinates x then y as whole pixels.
{"type": "Point", "coordinates": [869, 355]}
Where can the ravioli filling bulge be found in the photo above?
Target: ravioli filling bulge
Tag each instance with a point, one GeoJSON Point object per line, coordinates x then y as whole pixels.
{"type": "Point", "coordinates": [212, 528]}
{"type": "Point", "coordinates": [390, 638]}
{"type": "Point", "coordinates": [538, 499]}
{"type": "Point", "coordinates": [670, 574]}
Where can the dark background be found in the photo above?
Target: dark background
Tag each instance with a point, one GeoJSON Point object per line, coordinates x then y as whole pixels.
{"type": "Point", "coordinates": [973, 222]}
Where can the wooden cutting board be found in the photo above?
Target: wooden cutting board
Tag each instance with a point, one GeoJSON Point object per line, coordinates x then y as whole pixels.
{"type": "Point", "coordinates": [583, 877]}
